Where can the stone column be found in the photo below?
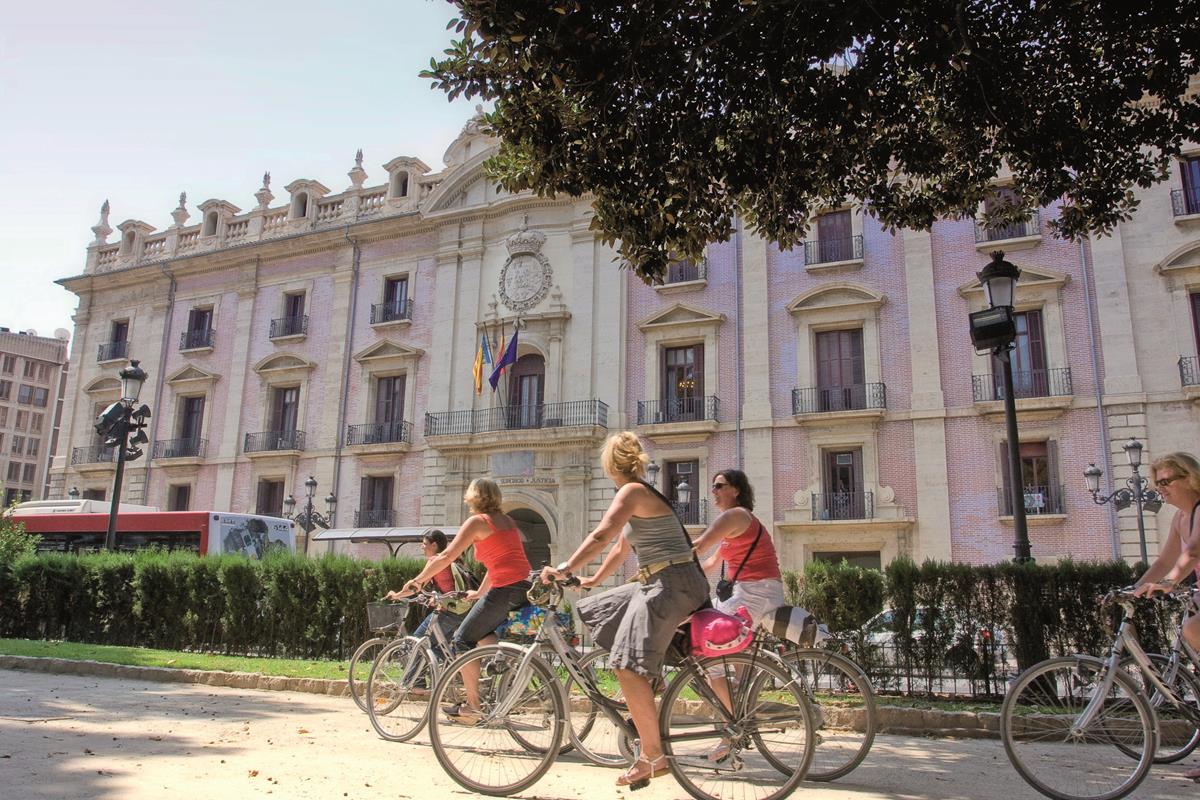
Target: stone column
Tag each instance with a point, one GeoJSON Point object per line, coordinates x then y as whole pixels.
{"type": "Point", "coordinates": [932, 534]}
{"type": "Point", "coordinates": [758, 449]}
{"type": "Point", "coordinates": [236, 392]}
{"type": "Point", "coordinates": [1115, 319]}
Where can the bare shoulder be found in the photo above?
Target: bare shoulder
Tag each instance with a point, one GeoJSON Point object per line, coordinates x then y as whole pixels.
{"type": "Point", "coordinates": [474, 527]}
{"type": "Point", "coordinates": [640, 500]}
{"type": "Point", "coordinates": [736, 519]}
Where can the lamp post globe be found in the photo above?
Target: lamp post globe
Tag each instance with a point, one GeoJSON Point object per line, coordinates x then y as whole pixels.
{"type": "Point", "coordinates": [1133, 452]}
{"type": "Point", "coordinates": [1091, 477]}
{"type": "Point", "coordinates": [132, 378]}
{"type": "Point", "coordinates": [999, 281]}
{"type": "Point", "coordinates": [652, 470]}
{"type": "Point", "coordinates": [683, 492]}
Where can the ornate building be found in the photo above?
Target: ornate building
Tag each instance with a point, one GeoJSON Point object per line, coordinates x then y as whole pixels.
{"type": "Point", "coordinates": [337, 334]}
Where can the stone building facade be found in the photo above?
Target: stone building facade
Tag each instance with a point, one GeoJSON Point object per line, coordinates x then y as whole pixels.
{"type": "Point", "coordinates": [32, 373]}
{"type": "Point", "coordinates": [334, 335]}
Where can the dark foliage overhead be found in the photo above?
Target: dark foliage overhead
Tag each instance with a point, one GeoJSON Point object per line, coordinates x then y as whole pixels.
{"type": "Point", "coordinates": [677, 114]}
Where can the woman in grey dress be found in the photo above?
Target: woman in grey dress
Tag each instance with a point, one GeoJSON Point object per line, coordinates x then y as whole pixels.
{"type": "Point", "coordinates": [636, 621]}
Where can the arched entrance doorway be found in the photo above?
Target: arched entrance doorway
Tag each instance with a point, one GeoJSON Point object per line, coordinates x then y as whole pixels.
{"type": "Point", "coordinates": [536, 533]}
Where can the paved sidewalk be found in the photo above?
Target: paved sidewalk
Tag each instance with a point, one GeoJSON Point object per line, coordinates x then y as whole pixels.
{"type": "Point", "coordinates": [68, 736]}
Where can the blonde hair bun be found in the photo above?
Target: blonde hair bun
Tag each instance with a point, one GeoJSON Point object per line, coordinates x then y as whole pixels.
{"type": "Point", "coordinates": [483, 496]}
{"type": "Point", "coordinates": [623, 455]}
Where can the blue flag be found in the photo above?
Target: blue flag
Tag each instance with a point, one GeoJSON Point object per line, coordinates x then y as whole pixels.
{"type": "Point", "coordinates": [509, 357]}
{"type": "Point", "coordinates": [485, 348]}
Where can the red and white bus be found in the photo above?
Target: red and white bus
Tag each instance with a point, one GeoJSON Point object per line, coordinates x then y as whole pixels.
{"type": "Point", "coordinates": [79, 527]}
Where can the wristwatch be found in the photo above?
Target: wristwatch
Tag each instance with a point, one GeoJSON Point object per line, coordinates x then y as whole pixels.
{"type": "Point", "coordinates": [562, 567]}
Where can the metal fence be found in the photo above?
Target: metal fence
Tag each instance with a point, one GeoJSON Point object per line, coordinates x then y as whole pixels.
{"type": "Point", "coordinates": [181, 448]}
{"type": "Point", "coordinates": [1185, 201]}
{"type": "Point", "coordinates": [1014, 230]}
{"type": "Point", "coordinates": [517, 417]}
{"type": "Point", "coordinates": [110, 351]}
{"type": "Point", "coordinates": [289, 326]}
{"type": "Point", "coordinates": [1031, 383]}
{"type": "Point", "coordinates": [1038, 500]}
{"type": "Point", "coordinates": [693, 512]}
{"type": "Point", "coordinates": [684, 271]}
{"type": "Point", "coordinates": [379, 432]}
{"type": "Point", "coordinates": [192, 340]}
{"type": "Point", "coordinates": [680, 409]}
{"type": "Point", "coordinates": [843, 505]}
{"type": "Point", "coordinates": [94, 454]}
{"type": "Point", "coordinates": [856, 397]}
{"type": "Point", "coordinates": [373, 518]}
{"type": "Point", "coordinates": [976, 664]}
{"type": "Point", "coordinates": [1189, 371]}
{"type": "Point", "coordinates": [828, 251]}
{"type": "Point", "coordinates": [392, 312]}
{"type": "Point", "coordinates": [267, 441]}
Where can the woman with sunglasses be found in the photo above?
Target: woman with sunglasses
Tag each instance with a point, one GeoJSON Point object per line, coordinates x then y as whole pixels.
{"type": "Point", "coordinates": [744, 549]}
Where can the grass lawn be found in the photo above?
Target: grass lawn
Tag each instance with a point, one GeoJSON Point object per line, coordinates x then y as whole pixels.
{"type": "Point", "coordinates": [145, 657]}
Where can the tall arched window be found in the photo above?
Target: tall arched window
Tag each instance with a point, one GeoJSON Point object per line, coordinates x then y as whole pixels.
{"type": "Point", "coordinates": [400, 184]}
{"type": "Point", "coordinates": [210, 224]}
{"type": "Point", "coordinates": [300, 206]}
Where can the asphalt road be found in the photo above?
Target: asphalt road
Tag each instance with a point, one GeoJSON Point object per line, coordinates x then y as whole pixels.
{"type": "Point", "coordinates": [65, 736]}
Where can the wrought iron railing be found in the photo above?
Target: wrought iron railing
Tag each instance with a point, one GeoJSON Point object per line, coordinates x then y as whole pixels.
{"type": "Point", "coordinates": [1032, 383]}
{"type": "Point", "coordinates": [681, 409]}
{"type": "Point", "coordinates": [1014, 230]}
{"type": "Point", "coordinates": [693, 512]}
{"type": "Point", "coordinates": [267, 441]}
{"type": "Point", "coordinates": [181, 448]}
{"type": "Point", "coordinates": [392, 312]}
{"type": "Point", "coordinates": [110, 351]}
{"type": "Point", "coordinates": [1189, 371]}
{"type": "Point", "coordinates": [379, 432]}
{"type": "Point", "coordinates": [1038, 500]}
{"type": "Point", "coordinates": [1185, 201]}
{"type": "Point", "coordinates": [192, 340]}
{"type": "Point", "coordinates": [518, 417]}
{"type": "Point", "coordinates": [373, 518]}
{"type": "Point", "coordinates": [827, 251]}
{"type": "Point", "coordinates": [684, 271]}
{"type": "Point", "coordinates": [843, 505]}
{"type": "Point", "coordinates": [289, 326]}
{"type": "Point", "coordinates": [94, 454]}
{"type": "Point", "coordinates": [856, 397]}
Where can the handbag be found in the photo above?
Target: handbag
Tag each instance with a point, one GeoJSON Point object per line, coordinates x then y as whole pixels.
{"type": "Point", "coordinates": [724, 588]}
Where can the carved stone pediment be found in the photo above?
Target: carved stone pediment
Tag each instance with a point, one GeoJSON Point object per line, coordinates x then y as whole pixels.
{"type": "Point", "coordinates": [103, 385]}
{"type": "Point", "coordinates": [681, 314]}
{"type": "Point", "coordinates": [191, 376]}
{"type": "Point", "coordinates": [836, 295]}
{"type": "Point", "coordinates": [1030, 277]}
{"type": "Point", "coordinates": [283, 364]}
{"type": "Point", "coordinates": [387, 354]}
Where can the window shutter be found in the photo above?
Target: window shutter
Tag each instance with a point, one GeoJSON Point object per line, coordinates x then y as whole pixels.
{"type": "Point", "coordinates": [1054, 489]}
{"type": "Point", "coordinates": [1006, 504]}
{"type": "Point", "coordinates": [364, 494]}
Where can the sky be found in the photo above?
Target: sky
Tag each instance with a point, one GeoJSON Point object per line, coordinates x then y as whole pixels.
{"type": "Point", "coordinates": [135, 102]}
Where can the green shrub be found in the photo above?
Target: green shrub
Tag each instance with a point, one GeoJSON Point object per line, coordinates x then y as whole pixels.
{"type": "Point", "coordinates": [15, 543]}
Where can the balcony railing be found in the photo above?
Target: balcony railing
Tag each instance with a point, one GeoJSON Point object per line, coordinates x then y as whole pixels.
{"type": "Point", "coordinates": [682, 409]}
{"type": "Point", "coordinates": [1189, 371]}
{"type": "Point", "coordinates": [268, 441]}
{"type": "Point", "coordinates": [693, 512]}
{"type": "Point", "coordinates": [1038, 500]}
{"type": "Point", "coordinates": [379, 433]}
{"type": "Point", "coordinates": [1034, 383]}
{"type": "Point", "coordinates": [827, 251]}
{"type": "Point", "coordinates": [1185, 201]}
{"type": "Point", "coordinates": [193, 340]}
{"type": "Point", "coordinates": [1014, 230]}
{"type": "Point", "coordinates": [373, 518]}
{"type": "Point", "coordinates": [684, 271]}
{"type": "Point", "coordinates": [392, 312]}
{"type": "Point", "coordinates": [181, 448]}
{"type": "Point", "coordinates": [549, 415]}
{"type": "Point", "coordinates": [856, 397]}
{"type": "Point", "coordinates": [843, 505]}
{"type": "Point", "coordinates": [111, 351]}
{"type": "Point", "coordinates": [289, 326]}
{"type": "Point", "coordinates": [95, 454]}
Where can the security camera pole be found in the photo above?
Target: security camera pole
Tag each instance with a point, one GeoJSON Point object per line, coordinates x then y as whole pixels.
{"type": "Point", "coordinates": [115, 424]}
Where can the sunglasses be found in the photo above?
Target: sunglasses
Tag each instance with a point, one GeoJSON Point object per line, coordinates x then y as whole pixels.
{"type": "Point", "coordinates": [1163, 483]}
{"type": "Point", "coordinates": [716, 486]}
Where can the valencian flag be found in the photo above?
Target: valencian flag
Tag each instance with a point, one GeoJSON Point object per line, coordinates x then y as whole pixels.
{"type": "Point", "coordinates": [482, 356]}
{"type": "Point", "coordinates": [509, 357]}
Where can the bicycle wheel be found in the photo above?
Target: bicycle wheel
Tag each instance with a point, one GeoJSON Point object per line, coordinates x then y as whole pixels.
{"type": "Point", "coordinates": [770, 713]}
{"type": "Point", "coordinates": [360, 668]}
{"type": "Point", "coordinates": [597, 737]}
{"type": "Point", "coordinates": [1177, 734]}
{"type": "Point", "coordinates": [514, 738]}
{"type": "Point", "coordinates": [844, 714]}
{"type": "Point", "coordinates": [1038, 725]}
{"type": "Point", "coordinates": [398, 689]}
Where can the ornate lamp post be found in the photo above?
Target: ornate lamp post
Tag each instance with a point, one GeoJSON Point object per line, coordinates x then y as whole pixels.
{"type": "Point", "coordinates": [115, 424]}
{"type": "Point", "coordinates": [73, 493]}
{"type": "Point", "coordinates": [652, 470]}
{"type": "Point", "coordinates": [1138, 491]}
{"type": "Point", "coordinates": [994, 329]}
{"type": "Point", "coordinates": [308, 517]}
{"type": "Point", "coordinates": [683, 498]}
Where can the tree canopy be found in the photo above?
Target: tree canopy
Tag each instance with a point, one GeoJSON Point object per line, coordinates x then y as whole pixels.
{"type": "Point", "coordinates": [678, 114]}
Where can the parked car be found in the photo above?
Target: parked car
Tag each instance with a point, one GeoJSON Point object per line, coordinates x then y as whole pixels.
{"type": "Point", "coordinates": [881, 629]}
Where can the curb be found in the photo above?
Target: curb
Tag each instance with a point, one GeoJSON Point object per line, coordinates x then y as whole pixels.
{"type": "Point", "coordinates": [895, 720]}
{"type": "Point", "coordinates": [233, 680]}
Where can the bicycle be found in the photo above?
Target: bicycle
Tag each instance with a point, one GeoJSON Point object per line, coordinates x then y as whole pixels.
{"type": "Point", "coordinates": [387, 621]}
{"type": "Point", "coordinates": [403, 674]}
{"type": "Point", "coordinates": [1064, 717]}
{"type": "Point", "coordinates": [515, 737]}
{"type": "Point", "coordinates": [843, 702]}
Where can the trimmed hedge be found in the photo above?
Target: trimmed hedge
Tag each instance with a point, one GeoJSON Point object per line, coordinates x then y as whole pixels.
{"type": "Point", "coordinates": [285, 605]}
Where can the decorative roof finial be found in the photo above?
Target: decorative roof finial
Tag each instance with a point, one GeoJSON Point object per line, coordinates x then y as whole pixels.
{"type": "Point", "coordinates": [357, 174]}
{"type": "Point", "coordinates": [183, 199]}
{"type": "Point", "coordinates": [180, 214]}
{"type": "Point", "coordinates": [264, 195]}
{"type": "Point", "coordinates": [358, 158]}
{"type": "Point", "coordinates": [102, 229]}
{"type": "Point", "coordinates": [266, 180]}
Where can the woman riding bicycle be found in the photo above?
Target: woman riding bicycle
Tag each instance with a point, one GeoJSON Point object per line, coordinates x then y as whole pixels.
{"type": "Point", "coordinates": [636, 621]}
{"type": "Point", "coordinates": [454, 578]}
{"type": "Point", "coordinates": [499, 548]}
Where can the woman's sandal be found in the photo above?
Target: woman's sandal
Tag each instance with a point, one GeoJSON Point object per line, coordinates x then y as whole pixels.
{"type": "Point", "coordinates": [1193, 774]}
{"type": "Point", "coordinates": [657, 768]}
{"type": "Point", "coordinates": [721, 750]}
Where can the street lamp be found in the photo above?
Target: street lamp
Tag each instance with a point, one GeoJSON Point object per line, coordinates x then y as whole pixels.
{"type": "Point", "coordinates": [73, 493]}
{"type": "Point", "coordinates": [994, 328]}
{"type": "Point", "coordinates": [308, 517]}
{"type": "Point", "coordinates": [1137, 492]}
{"type": "Point", "coordinates": [115, 424]}
{"type": "Point", "coordinates": [683, 496]}
{"type": "Point", "coordinates": [652, 470]}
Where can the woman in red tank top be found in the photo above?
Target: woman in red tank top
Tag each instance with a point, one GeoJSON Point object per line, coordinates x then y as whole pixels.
{"type": "Point", "coordinates": [499, 547]}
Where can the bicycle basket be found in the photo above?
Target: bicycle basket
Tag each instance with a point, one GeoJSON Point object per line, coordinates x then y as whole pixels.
{"type": "Point", "coordinates": [387, 616]}
{"type": "Point", "coordinates": [523, 624]}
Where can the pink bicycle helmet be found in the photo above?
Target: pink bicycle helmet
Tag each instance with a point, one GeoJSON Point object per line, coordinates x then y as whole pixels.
{"type": "Point", "coordinates": [715, 633]}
